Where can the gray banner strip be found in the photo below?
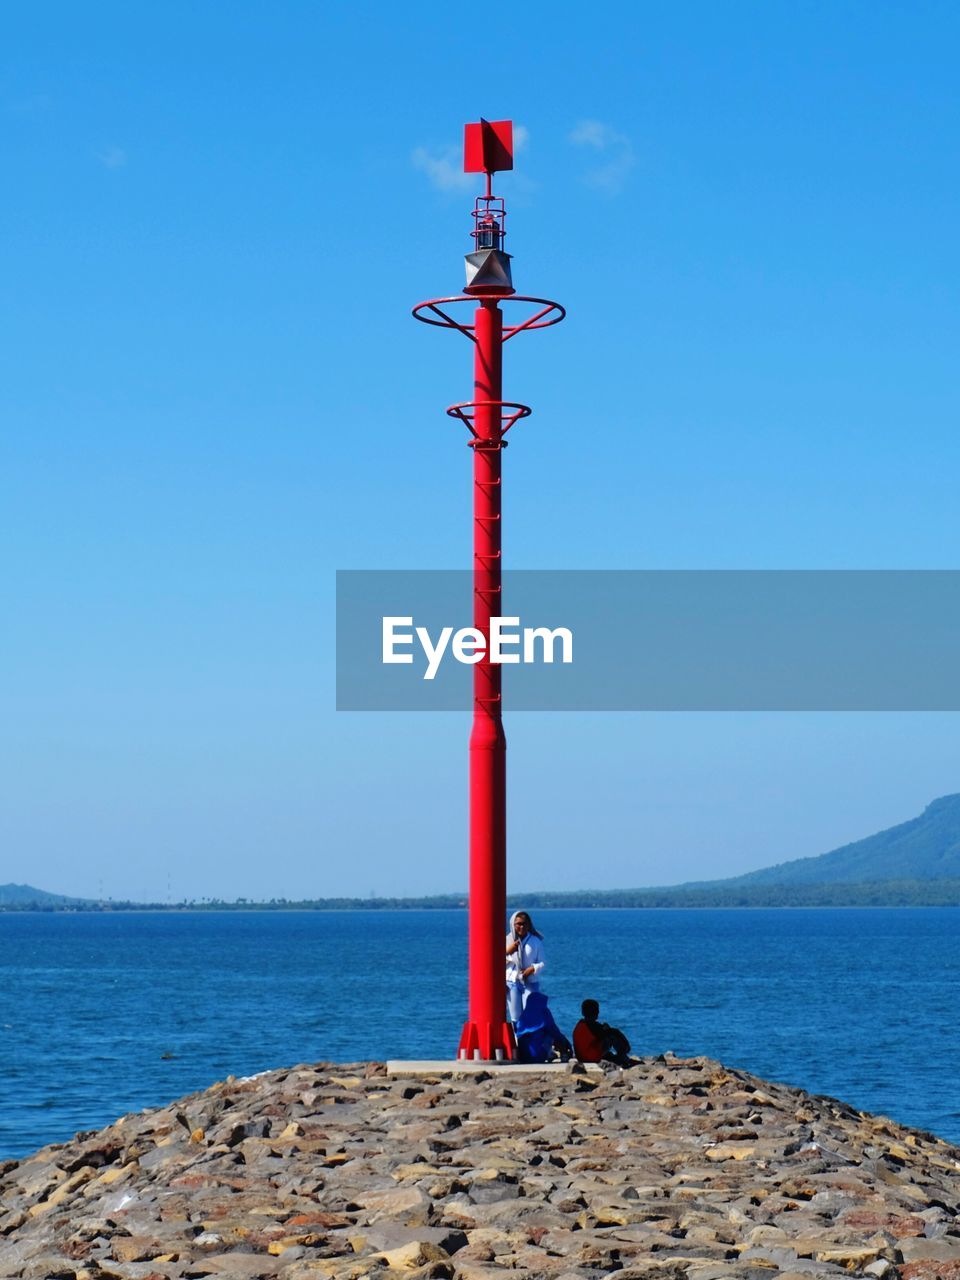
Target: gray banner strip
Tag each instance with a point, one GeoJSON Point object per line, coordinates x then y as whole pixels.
{"type": "Point", "coordinates": [672, 640]}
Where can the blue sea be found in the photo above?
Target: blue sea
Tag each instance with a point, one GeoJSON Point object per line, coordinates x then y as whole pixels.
{"type": "Point", "coordinates": [104, 1014]}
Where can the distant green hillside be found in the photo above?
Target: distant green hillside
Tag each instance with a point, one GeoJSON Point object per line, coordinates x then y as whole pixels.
{"type": "Point", "coordinates": [925, 848]}
{"type": "Point", "coordinates": [914, 864]}
{"type": "Point", "coordinates": [24, 895]}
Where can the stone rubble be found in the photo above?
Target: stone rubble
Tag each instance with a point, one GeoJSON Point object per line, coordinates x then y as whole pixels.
{"type": "Point", "coordinates": [679, 1169]}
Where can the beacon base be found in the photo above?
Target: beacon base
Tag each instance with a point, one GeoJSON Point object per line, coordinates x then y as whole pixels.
{"type": "Point", "coordinates": [486, 1042]}
{"type": "Point", "coordinates": [448, 1067]}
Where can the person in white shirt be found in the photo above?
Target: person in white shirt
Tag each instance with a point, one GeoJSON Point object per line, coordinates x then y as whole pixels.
{"type": "Point", "coordinates": [525, 962]}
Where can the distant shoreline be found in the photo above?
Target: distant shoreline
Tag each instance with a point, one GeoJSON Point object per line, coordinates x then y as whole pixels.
{"type": "Point", "coordinates": [893, 893]}
{"type": "Point", "coordinates": [914, 864]}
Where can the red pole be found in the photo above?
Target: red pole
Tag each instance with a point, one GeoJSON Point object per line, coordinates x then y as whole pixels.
{"type": "Point", "coordinates": [488, 148]}
{"type": "Point", "coordinates": [486, 1034]}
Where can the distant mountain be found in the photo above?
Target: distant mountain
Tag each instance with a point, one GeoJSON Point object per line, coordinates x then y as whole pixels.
{"type": "Point", "coordinates": [24, 895]}
{"type": "Point", "coordinates": [914, 864]}
{"type": "Point", "coordinates": [925, 848]}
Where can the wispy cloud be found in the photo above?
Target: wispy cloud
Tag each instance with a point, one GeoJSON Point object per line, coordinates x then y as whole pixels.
{"type": "Point", "coordinates": [112, 157]}
{"type": "Point", "coordinates": [443, 167]}
{"type": "Point", "coordinates": [34, 105]}
{"type": "Point", "coordinates": [614, 151]}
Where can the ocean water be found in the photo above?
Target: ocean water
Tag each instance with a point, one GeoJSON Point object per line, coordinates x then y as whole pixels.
{"type": "Point", "coordinates": [104, 1014]}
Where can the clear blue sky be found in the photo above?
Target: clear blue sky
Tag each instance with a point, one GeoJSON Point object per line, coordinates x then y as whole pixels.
{"type": "Point", "coordinates": [215, 220]}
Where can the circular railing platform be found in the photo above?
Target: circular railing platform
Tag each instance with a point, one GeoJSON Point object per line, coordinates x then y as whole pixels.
{"type": "Point", "coordinates": [549, 313]}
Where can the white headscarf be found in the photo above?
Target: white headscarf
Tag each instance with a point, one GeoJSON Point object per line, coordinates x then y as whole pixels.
{"type": "Point", "coordinates": [531, 930]}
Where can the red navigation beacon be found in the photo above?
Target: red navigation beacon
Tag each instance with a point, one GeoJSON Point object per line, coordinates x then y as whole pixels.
{"type": "Point", "coordinates": [488, 149]}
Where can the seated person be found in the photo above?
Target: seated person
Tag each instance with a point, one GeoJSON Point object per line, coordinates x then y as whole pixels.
{"type": "Point", "coordinates": [595, 1041]}
{"type": "Point", "coordinates": [538, 1036]}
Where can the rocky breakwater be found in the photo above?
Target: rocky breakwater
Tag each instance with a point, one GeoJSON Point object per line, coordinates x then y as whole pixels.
{"type": "Point", "coordinates": [678, 1168]}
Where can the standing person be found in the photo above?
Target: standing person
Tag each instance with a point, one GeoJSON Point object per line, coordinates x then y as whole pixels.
{"type": "Point", "coordinates": [525, 962]}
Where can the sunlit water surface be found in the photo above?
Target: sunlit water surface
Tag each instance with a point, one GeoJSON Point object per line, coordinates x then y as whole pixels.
{"type": "Point", "coordinates": [104, 1014]}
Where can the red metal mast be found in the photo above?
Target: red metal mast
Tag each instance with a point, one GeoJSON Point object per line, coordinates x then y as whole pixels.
{"type": "Point", "coordinates": [488, 148]}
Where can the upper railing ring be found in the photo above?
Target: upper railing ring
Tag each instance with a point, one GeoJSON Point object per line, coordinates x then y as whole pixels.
{"type": "Point", "coordinates": [549, 313]}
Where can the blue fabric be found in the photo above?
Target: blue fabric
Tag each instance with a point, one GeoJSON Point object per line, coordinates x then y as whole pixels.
{"type": "Point", "coordinates": [536, 1030]}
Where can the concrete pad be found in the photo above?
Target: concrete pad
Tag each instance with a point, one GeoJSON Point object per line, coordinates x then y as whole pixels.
{"type": "Point", "coordinates": [468, 1067]}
